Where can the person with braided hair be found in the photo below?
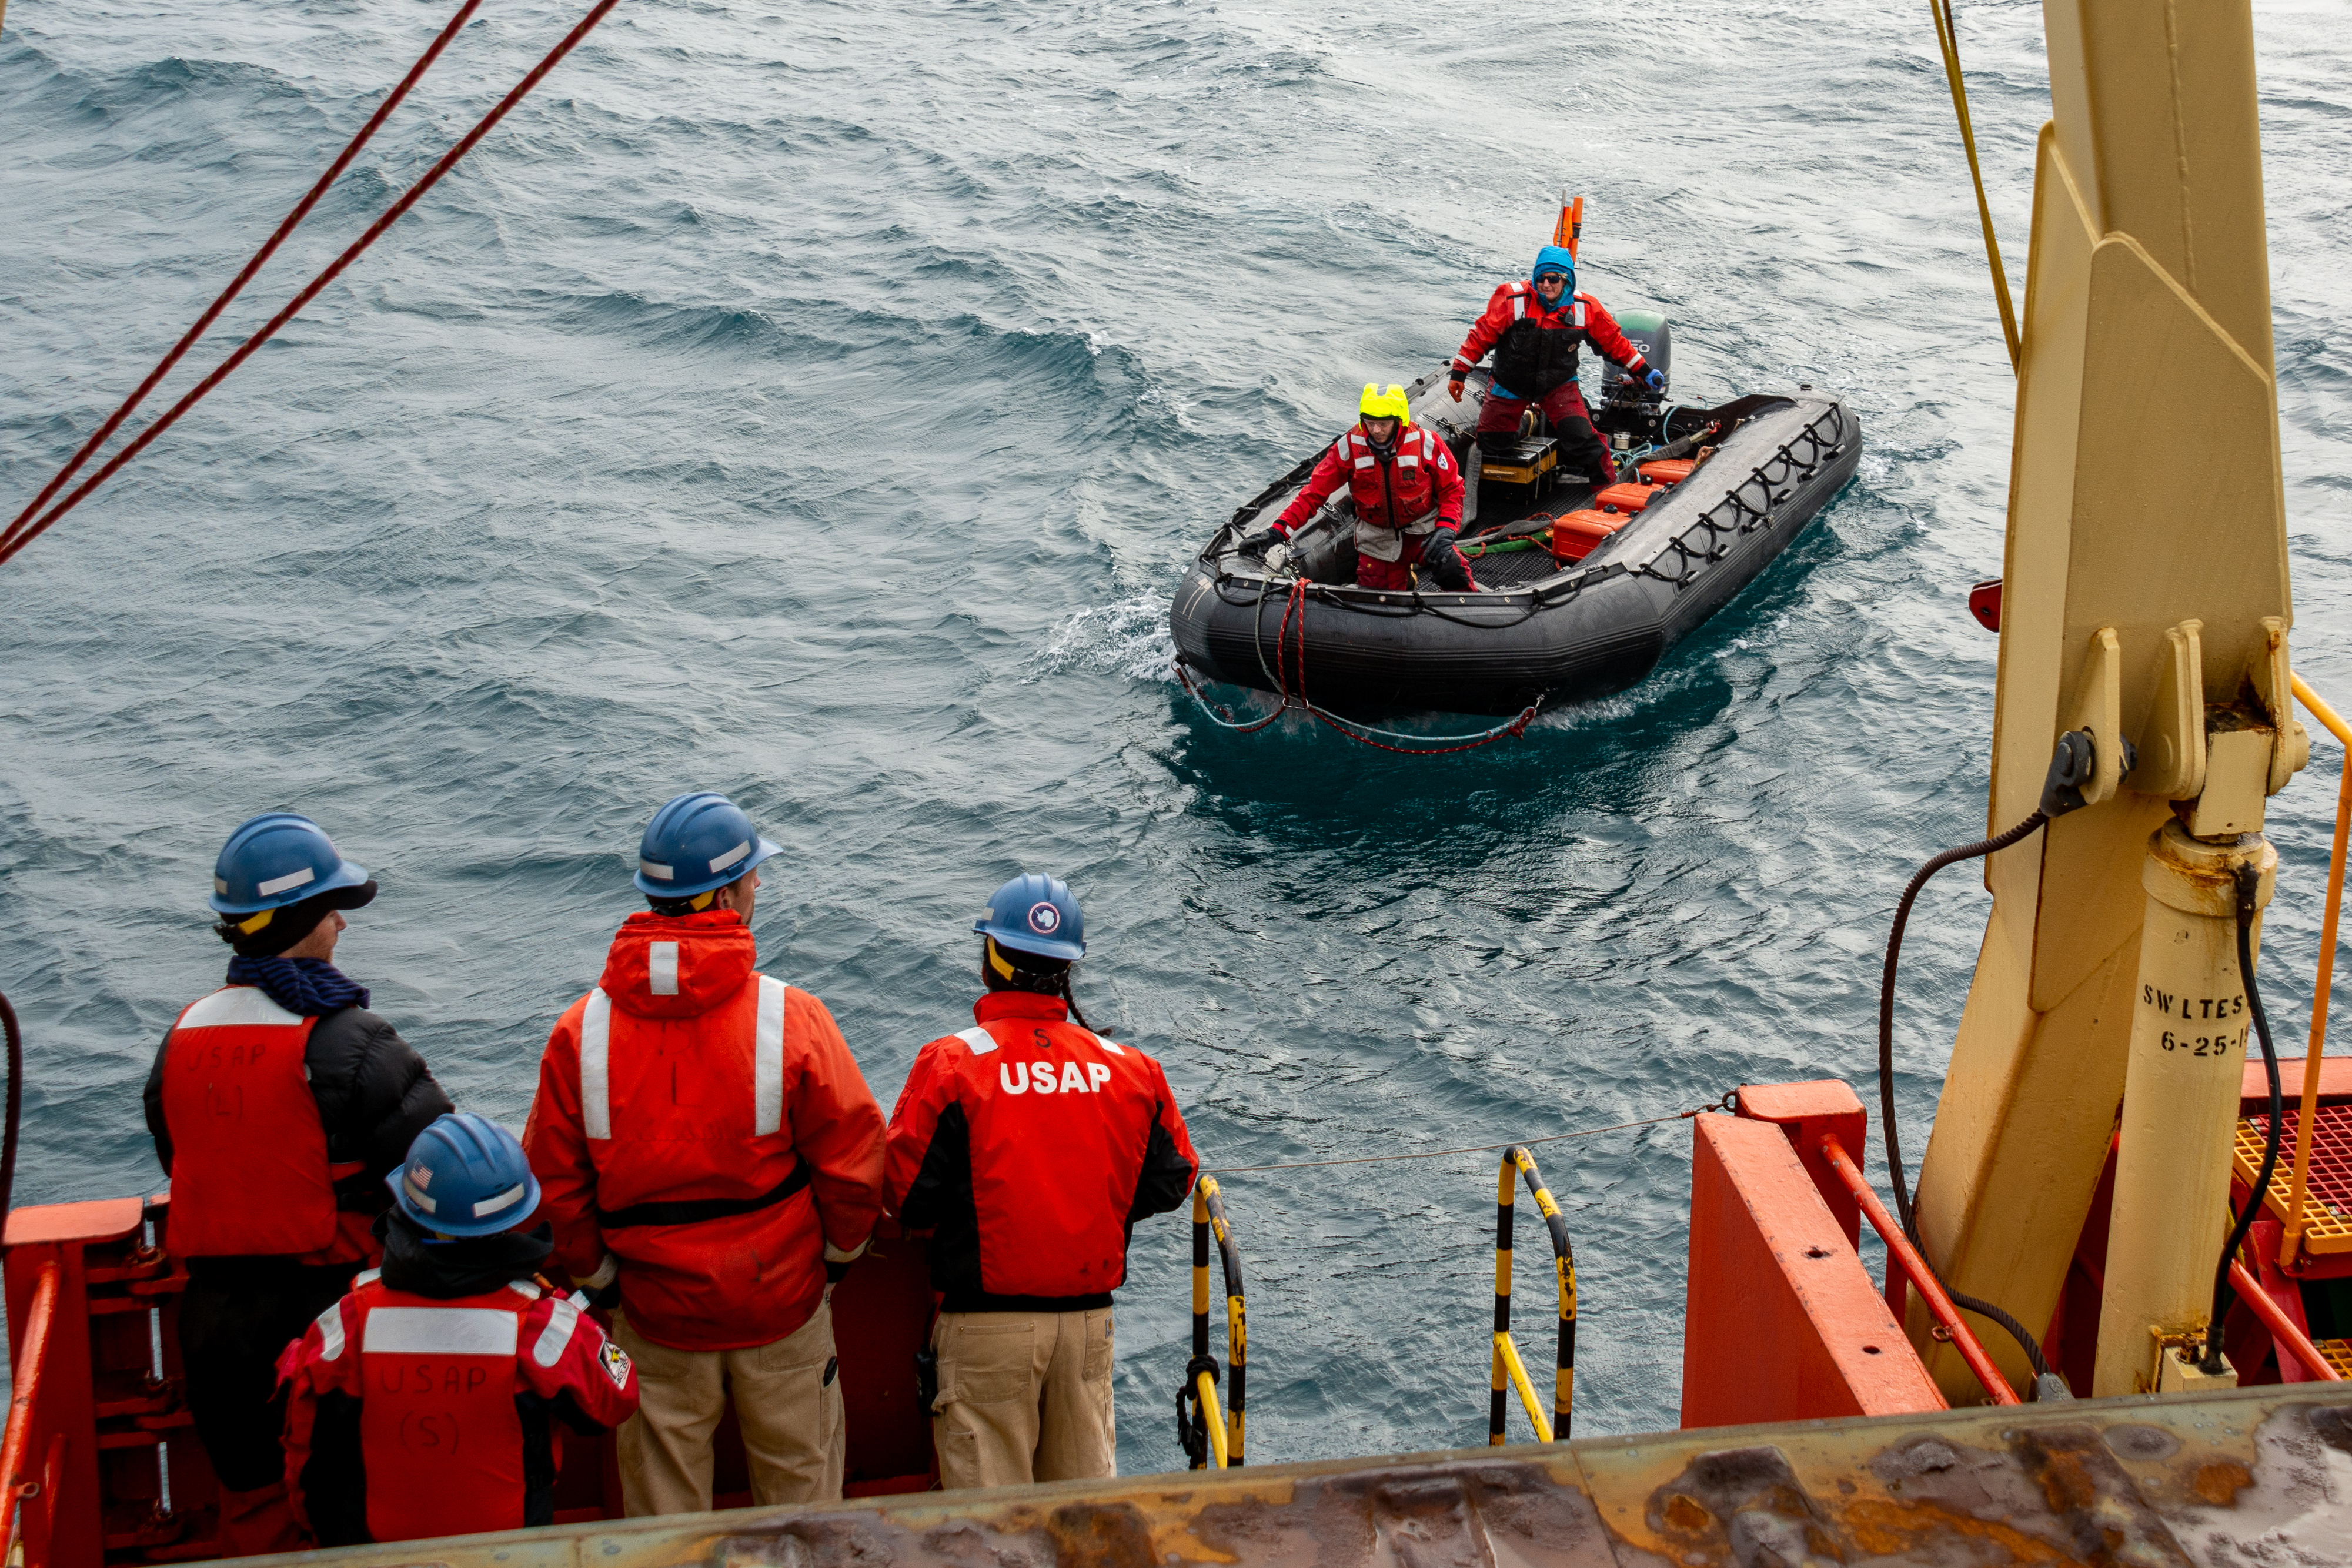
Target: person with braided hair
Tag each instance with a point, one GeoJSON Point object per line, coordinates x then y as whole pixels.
{"type": "Point", "coordinates": [1028, 1147]}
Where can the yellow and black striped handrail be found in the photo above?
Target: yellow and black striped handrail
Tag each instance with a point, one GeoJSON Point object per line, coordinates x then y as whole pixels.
{"type": "Point", "coordinates": [1225, 1432]}
{"type": "Point", "coordinates": [1508, 1371]}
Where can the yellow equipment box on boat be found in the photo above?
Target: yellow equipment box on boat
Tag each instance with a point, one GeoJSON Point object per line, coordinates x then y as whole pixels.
{"type": "Point", "coordinates": [1525, 461]}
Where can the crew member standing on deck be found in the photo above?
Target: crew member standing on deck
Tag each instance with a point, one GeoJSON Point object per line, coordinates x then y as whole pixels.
{"type": "Point", "coordinates": [1029, 1147]}
{"type": "Point", "coordinates": [701, 1131]}
{"type": "Point", "coordinates": [420, 1404]}
{"type": "Point", "coordinates": [1407, 494]}
{"type": "Point", "coordinates": [277, 1104]}
{"type": "Point", "coordinates": [1535, 328]}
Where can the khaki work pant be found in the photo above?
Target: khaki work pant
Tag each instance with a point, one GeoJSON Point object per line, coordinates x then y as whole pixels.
{"type": "Point", "coordinates": [1023, 1396]}
{"type": "Point", "coordinates": [787, 1397]}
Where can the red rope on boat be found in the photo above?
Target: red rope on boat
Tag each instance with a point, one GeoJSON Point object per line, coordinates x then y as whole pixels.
{"type": "Point", "coordinates": [390, 216]}
{"type": "Point", "coordinates": [1295, 604]}
{"type": "Point", "coordinates": [245, 274]}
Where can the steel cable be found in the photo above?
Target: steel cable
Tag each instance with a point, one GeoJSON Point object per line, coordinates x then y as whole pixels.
{"type": "Point", "coordinates": [334, 269]}
{"type": "Point", "coordinates": [245, 274]}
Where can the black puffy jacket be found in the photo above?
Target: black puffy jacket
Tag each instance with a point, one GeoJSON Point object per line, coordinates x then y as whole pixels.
{"type": "Point", "coordinates": [374, 1095]}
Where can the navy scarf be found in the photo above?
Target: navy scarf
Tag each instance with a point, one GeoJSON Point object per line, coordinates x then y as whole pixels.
{"type": "Point", "coordinates": [310, 987]}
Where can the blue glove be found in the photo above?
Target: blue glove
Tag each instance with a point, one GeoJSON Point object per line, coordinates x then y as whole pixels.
{"type": "Point", "coordinates": [1655, 380]}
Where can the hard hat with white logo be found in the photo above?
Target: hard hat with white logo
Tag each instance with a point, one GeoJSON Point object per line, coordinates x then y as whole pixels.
{"type": "Point", "coordinates": [694, 843]}
{"type": "Point", "coordinates": [465, 1175]}
{"type": "Point", "coordinates": [1038, 915]}
{"type": "Point", "coordinates": [276, 859]}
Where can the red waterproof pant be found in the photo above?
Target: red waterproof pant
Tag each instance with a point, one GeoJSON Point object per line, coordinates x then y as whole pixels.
{"type": "Point", "coordinates": [1397, 573]}
{"type": "Point", "coordinates": [1580, 447]}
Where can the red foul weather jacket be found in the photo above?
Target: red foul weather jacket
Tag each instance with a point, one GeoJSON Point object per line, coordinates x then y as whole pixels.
{"type": "Point", "coordinates": [706, 1124]}
{"type": "Point", "coordinates": [448, 1401]}
{"type": "Point", "coordinates": [1535, 349]}
{"type": "Point", "coordinates": [1029, 1148]}
{"type": "Point", "coordinates": [1416, 489]}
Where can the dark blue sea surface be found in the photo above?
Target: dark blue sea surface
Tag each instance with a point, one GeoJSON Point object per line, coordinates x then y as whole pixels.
{"type": "Point", "coordinates": [817, 401]}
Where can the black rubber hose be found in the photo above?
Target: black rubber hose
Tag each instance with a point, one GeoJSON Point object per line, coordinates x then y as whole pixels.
{"type": "Point", "coordinates": [2248, 879]}
{"type": "Point", "coordinates": [16, 1106]}
{"type": "Point", "coordinates": [1977, 850]}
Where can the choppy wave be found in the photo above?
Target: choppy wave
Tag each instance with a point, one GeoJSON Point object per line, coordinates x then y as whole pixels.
{"type": "Point", "coordinates": [819, 401]}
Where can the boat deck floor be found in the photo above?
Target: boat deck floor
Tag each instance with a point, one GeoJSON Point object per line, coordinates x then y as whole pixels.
{"type": "Point", "coordinates": [1518, 568]}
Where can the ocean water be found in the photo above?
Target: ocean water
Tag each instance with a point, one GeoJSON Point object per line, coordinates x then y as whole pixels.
{"type": "Point", "coordinates": [816, 400]}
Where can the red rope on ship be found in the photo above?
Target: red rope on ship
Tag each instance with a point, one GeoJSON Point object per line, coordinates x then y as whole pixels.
{"type": "Point", "coordinates": [19, 536]}
{"type": "Point", "coordinates": [245, 276]}
{"type": "Point", "coordinates": [1295, 604]}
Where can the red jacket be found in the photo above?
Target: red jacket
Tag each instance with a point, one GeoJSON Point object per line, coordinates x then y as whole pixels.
{"type": "Point", "coordinates": [453, 1399]}
{"type": "Point", "coordinates": [721, 1144]}
{"type": "Point", "coordinates": [1394, 492]}
{"type": "Point", "coordinates": [1535, 349]}
{"type": "Point", "coordinates": [1031, 1146]}
{"type": "Point", "coordinates": [248, 1167]}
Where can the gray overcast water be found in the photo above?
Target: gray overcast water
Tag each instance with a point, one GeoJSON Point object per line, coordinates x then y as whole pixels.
{"type": "Point", "coordinates": [818, 401]}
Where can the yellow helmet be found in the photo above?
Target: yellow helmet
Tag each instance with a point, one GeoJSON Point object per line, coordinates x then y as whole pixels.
{"type": "Point", "coordinates": [1390, 404]}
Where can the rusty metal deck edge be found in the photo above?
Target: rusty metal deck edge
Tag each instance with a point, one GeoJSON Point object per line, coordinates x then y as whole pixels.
{"type": "Point", "coordinates": [2010, 1483]}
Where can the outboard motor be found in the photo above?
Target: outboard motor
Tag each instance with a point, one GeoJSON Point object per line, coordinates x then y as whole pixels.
{"type": "Point", "coordinates": [1630, 411]}
{"type": "Point", "coordinates": [1655, 336]}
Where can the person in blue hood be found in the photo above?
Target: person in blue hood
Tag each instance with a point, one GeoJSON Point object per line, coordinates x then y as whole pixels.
{"type": "Point", "coordinates": [1535, 326]}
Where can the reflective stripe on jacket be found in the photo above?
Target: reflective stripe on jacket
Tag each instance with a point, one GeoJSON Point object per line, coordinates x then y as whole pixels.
{"type": "Point", "coordinates": [706, 1124]}
{"type": "Point", "coordinates": [454, 1398]}
{"type": "Point", "coordinates": [1416, 490]}
{"type": "Point", "coordinates": [249, 1172]}
{"type": "Point", "coordinates": [1535, 349]}
{"type": "Point", "coordinates": [1029, 1147]}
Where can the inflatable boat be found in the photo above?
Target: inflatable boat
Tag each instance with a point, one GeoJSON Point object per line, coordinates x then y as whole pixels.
{"type": "Point", "coordinates": [1582, 580]}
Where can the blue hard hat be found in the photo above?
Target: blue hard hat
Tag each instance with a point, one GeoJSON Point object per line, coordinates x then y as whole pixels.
{"type": "Point", "coordinates": [465, 1175]}
{"type": "Point", "coordinates": [1554, 258]}
{"type": "Point", "coordinates": [278, 859]}
{"type": "Point", "coordinates": [1038, 915]}
{"type": "Point", "coordinates": [694, 843]}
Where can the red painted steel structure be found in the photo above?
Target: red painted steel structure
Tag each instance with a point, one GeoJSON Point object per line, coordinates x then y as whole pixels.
{"type": "Point", "coordinates": [1901, 1254]}
{"type": "Point", "coordinates": [2285, 1332]}
{"type": "Point", "coordinates": [1781, 1321]}
{"type": "Point", "coordinates": [91, 1421]}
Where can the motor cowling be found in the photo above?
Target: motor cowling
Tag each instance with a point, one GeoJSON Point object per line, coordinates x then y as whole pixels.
{"type": "Point", "coordinates": [1654, 335]}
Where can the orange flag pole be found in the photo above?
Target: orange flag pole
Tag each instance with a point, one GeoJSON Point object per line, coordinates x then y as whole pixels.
{"type": "Point", "coordinates": [1571, 227]}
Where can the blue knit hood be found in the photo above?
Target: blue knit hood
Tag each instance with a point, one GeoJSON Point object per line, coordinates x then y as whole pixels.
{"type": "Point", "coordinates": [1555, 255]}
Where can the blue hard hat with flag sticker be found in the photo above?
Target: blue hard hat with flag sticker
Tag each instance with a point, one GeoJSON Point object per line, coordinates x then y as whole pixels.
{"type": "Point", "coordinates": [276, 859]}
{"type": "Point", "coordinates": [1038, 915]}
{"type": "Point", "coordinates": [697, 843]}
{"type": "Point", "coordinates": [465, 1175]}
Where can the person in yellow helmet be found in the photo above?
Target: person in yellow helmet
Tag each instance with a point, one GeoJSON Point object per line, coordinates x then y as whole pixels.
{"type": "Point", "coordinates": [1408, 494]}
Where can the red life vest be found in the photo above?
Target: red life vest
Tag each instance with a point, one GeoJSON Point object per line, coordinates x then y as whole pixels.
{"type": "Point", "coordinates": [442, 1446]}
{"type": "Point", "coordinates": [439, 1433]}
{"type": "Point", "coordinates": [249, 1172]}
{"type": "Point", "coordinates": [1398, 492]}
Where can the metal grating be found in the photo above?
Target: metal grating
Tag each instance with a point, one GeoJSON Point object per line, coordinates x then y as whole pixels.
{"type": "Point", "coordinates": [2337, 1354]}
{"type": "Point", "coordinates": [2327, 1195]}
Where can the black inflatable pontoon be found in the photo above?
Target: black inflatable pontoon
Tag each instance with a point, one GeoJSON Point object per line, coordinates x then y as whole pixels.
{"type": "Point", "coordinates": [1538, 631]}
